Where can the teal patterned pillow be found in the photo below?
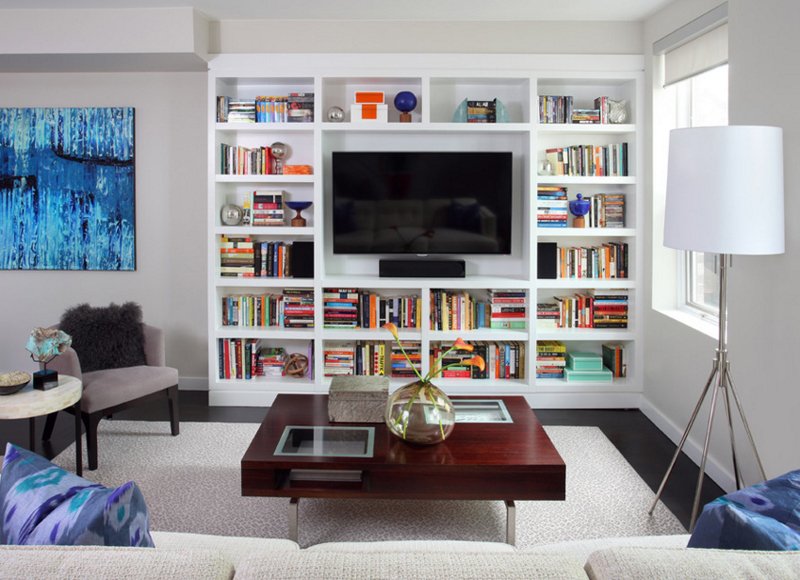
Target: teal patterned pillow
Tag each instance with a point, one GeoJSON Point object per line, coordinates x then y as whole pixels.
{"type": "Point", "coordinates": [41, 504]}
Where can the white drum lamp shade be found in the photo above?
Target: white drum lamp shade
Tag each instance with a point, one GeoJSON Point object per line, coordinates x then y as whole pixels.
{"type": "Point", "coordinates": [725, 190]}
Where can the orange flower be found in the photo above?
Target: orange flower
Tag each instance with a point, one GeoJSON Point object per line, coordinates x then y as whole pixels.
{"type": "Point", "coordinates": [391, 327]}
{"type": "Point", "coordinates": [476, 361]}
{"type": "Point", "coordinates": [461, 345]}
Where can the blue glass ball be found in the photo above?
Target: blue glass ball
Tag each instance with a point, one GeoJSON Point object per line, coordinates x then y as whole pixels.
{"type": "Point", "coordinates": [405, 101]}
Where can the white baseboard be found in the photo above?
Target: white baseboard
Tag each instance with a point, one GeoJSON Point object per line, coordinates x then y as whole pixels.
{"type": "Point", "coordinates": [193, 383]}
{"type": "Point", "coordinates": [722, 476]}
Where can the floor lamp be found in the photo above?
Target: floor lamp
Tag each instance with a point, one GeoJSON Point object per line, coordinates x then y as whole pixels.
{"type": "Point", "coordinates": [724, 196]}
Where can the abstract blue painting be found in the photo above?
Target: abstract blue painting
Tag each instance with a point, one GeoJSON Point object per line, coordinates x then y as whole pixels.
{"type": "Point", "coordinates": [67, 196]}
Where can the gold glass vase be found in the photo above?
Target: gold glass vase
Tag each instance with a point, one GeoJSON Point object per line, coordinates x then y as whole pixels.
{"type": "Point", "coordinates": [420, 412]}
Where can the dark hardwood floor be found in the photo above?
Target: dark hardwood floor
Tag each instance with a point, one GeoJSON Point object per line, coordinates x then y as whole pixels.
{"type": "Point", "coordinates": [641, 443]}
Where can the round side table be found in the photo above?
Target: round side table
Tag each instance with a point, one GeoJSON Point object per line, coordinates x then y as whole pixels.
{"type": "Point", "coordinates": [30, 403]}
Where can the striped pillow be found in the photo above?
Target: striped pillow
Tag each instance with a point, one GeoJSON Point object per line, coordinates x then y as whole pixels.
{"type": "Point", "coordinates": [41, 504]}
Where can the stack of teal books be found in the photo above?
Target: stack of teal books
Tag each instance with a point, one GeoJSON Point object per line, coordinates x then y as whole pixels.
{"type": "Point", "coordinates": [586, 366]}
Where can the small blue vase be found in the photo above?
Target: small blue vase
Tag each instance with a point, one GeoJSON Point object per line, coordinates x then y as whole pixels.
{"type": "Point", "coordinates": [579, 208]}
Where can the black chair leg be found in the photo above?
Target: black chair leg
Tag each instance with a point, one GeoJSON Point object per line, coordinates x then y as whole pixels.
{"type": "Point", "coordinates": [174, 421]}
{"type": "Point", "coordinates": [49, 425]}
{"type": "Point", "coordinates": [91, 420]}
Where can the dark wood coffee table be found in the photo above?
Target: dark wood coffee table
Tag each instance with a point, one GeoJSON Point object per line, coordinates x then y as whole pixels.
{"type": "Point", "coordinates": [297, 453]}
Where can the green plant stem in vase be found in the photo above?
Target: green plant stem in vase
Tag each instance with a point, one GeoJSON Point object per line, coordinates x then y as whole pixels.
{"type": "Point", "coordinates": [421, 412]}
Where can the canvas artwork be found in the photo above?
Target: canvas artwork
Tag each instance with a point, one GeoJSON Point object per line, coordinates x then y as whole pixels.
{"type": "Point", "coordinates": [67, 196]}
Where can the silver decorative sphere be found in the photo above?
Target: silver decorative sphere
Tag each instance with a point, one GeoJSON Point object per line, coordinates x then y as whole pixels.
{"type": "Point", "coordinates": [231, 214]}
{"type": "Point", "coordinates": [335, 115]}
{"type": "Point", "coordinates": [279, 150]}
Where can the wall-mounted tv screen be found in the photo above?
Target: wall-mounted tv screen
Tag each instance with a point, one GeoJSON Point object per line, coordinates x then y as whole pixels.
{"type": "Point", "coordinates": [421, 202]}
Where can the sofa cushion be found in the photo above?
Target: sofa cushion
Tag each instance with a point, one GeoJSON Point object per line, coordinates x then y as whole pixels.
{"type": "Point", "coordinates": [764, 516]}
{"type": "Point", "coordinates": [412, 546]}
{"type": "Point", "coordinates": [583, 548]}
{"type": "Point", "coordinates": [365, 565]}
{"type": "Point", "coordinates": [106, 337]}
{"type": "Point", "coordinates": [683, 564]}
{"type": "Point", "coordinates": [232, 548]}
{"type": "Point", "coordinates": [107, 388]}
{"type": "Point", "coordinates": [41, 503]}
{"type": "Point", "coordinates": [95, 563]}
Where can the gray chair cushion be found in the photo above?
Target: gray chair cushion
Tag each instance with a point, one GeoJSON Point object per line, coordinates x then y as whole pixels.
{"type": "Point", "coordinates": [111, 387]}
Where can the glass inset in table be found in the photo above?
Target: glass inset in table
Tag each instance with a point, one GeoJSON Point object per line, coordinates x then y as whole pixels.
{"type": "Point", "coordinates": [481, 411]}
{"type": "Point", "coordinates": [326, 441]}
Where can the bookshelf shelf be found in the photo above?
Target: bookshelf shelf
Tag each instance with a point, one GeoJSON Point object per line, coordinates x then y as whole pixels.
{"type": "Point", "coordinates": [333, 79]}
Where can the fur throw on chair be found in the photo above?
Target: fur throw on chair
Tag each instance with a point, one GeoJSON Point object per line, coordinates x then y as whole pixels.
{"type": "Point", "coordinates": [106, 337]}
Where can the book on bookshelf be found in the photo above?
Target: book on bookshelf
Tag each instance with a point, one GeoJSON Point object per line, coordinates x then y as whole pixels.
{"type": "Point", "coordinates": [355, 308]}
{"type": "Point", "coordinates": [551, 358]}
{"type": "Point", "coordinates": [614, 359]}
{"type": "Point", "coordinates": [606, 261]}
{"type": "Point", "coordinates": [589, 160]}
{"type": "Point", "coordinates": [555, 109]}
{"type": "Point", "coordinates": [593, 309]}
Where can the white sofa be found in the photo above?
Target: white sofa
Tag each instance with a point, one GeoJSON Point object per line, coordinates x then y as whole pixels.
{"type": "Point", "coordinates": [190, 556]}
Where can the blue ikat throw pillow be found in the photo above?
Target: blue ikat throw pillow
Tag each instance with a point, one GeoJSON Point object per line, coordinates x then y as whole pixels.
{"type": "Point", "coordinates": [41, 504]}
{"type": "Point", "coordinates": [765, 516]}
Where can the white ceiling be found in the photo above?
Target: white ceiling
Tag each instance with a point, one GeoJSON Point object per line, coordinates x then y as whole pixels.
{"type": "Point", "coordinates": [435, 10]}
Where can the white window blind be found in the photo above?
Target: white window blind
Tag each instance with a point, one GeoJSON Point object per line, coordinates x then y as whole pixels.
{"type": "Point", "coordinates": [696, 56]}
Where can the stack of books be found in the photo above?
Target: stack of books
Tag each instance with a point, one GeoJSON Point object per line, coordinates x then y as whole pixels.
{"type": "Point", "coordinates": [509, 309]}
{"type": "Point", "coordinates": [552, 209]}
{"type": "Point", "coordinates": [585, 116]}
{"type": "Point", "coordinates": [555, 109]}
{"type": "Point", "coordinates": [607, 210]}
{"type": "Point", "coordinates": [610, 309]}
{"type": "Point", "coordinates": [241, 111]}
{"type": "Point", "coordinates": [267, 208]}
{"type": "Point", "coordinates": [340, 307]}
{"type": "Point", "coordinates": [586, 366]}
{"type": "Point", "coordinates": [547, 316]}
{"type": "Point", "coordinates": [236, 256]}
{"type": "Point", "coordinates": [300, 108]}
{"type": "Point", "coordinates": [298, 308]}
{"type": "Point", "coordinates": [339, 359]}
{"type": "Point", "coordinates": [271, 361]}
{"type": "Point", "coordinates": [614, 359]}
{"type": "Point", "coordinates": [550, 359]}
{"type": "Point", "coordinates": [401, 368]}
{"type": "Point", "coordinates": [482, 111]}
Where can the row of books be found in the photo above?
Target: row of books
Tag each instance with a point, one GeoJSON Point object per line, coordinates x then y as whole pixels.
{"type": "Point", "coordinates": [607, 261]}
{"type": "Point", "coordinates": [294, 308]}
{"type": "Point", "coordinates": [551, 357]}
{"type": "Point", "coordinates": [370, 358]}
{"type": "Point", "coordinates": [460, 310]}
{"type": "Point", "coordinates": [354, 308]}
{"type": "Point", "coordinates": [291, 108]}
{"type": "Point", "coordinates": [238, 160]}
{"type": "Point", "coordinates": [606, 210]}
{"type": "Point", "coordinates": [241, 256]}
{"type": "Point", "coordinates": [246, 359]}
{"type": "Point", "coordinates": [504, 360]}
{"type": "Point", "coordinates": [589, 160]}
{"type": "Point", "coordinates": [595, 309]}
{"type": "Point", "coordinates": [561, 109]}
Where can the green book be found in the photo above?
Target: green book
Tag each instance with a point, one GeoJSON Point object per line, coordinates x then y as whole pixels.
{"type": "Point", "coordinates": [584, 361]}
{"type": "Point", "coordinates": [603, 375]}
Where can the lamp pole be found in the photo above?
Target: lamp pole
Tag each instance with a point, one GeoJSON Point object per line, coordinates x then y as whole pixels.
{"type": "Point", "coordinates": [720, 371]}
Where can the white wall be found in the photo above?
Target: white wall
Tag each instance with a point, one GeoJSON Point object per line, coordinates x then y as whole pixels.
{"type": "Point", "coordinates": [761, 327]}
{"type": "Point", "coordinates": [170, 280]}
{"type": "Point", "coordinates": [234, 36]}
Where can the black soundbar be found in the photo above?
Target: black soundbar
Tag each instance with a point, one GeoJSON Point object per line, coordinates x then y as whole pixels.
{"type": "Point", "coordinates": [422, 269]}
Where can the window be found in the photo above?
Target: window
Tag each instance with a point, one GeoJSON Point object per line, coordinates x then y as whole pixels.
{"type": "Point", "coordinates": [701, 100]}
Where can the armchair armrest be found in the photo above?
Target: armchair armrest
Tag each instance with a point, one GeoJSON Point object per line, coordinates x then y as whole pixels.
{"type": "Point", "coordinates": [154, 346]}
{"type": "Point", "coordinates": [67, 363]}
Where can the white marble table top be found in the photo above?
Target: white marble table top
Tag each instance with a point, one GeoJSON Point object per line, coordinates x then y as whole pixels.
{"type": "Point", "coordinates": [30, 402]}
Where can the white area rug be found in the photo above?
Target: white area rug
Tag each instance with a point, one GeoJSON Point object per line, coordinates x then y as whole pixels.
{"type": "Point", "coordinates": [191, 483]}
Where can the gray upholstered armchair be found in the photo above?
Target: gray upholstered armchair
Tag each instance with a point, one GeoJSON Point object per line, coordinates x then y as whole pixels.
{"type": "Point", "coordinates": [107, 391]}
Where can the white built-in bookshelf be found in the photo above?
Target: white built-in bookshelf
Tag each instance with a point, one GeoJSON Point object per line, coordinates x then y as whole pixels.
{"type": "Point", "coordinates": [440, 83]}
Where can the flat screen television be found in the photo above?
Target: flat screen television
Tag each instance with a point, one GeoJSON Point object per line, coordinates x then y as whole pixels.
{"type": "Point", "coordinates": [421, 202]}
